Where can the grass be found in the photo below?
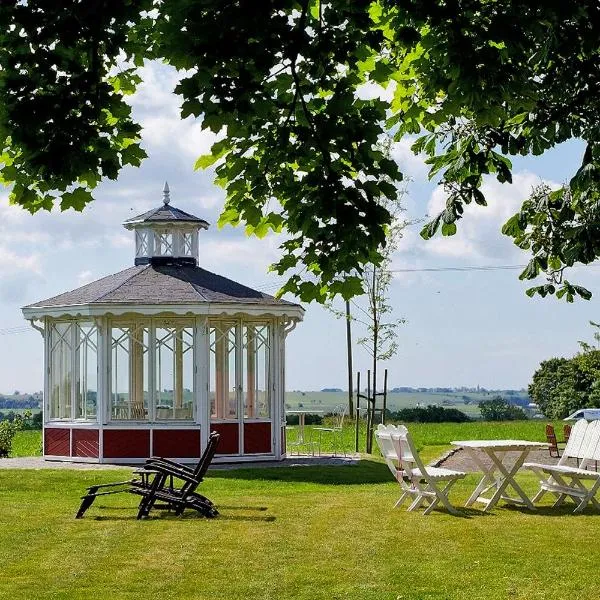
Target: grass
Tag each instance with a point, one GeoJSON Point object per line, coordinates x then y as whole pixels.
{"type": "Point", "coordinates": [439, 435]}
{"type": "Point", "coordinates": [27, 443]}
{"type": "Point", "coordinates": [299, 533]}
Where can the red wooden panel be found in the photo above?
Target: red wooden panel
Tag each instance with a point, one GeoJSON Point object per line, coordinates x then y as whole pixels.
{"type": "Point", "coordinates": [85, 443]}
{"type": "Point", "coordinates": [126, 443]}
{"type": "Point", "coordinates": [176, 443]}
{"type": "Point", "coordinates": [257, 438]}
{"type": "Point", "coordinates": [57, 442]}
{"type": "Point", "coordinates": [229, 442]}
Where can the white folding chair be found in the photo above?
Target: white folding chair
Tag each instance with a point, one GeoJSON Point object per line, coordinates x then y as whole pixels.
{"type": "Point", "coordinates": [428, 485]}
{"type": "Point", "coordinates": [336, 430]}
{"type": "Point", "coordinates": [566, 481]}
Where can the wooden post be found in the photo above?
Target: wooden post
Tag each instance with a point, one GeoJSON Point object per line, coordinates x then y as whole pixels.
{"type": "Point", "coordinates": [369, 412]}
{"type": "Point", "coordinates": [349, 351]}
{"type": "Point", "coordinates": [357, 411]}
{"type": "Point", "coordinates": [384, 396]}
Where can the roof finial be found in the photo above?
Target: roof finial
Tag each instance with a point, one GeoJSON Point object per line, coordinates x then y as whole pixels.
{"type": "Point", "coordinates": [166, 194]}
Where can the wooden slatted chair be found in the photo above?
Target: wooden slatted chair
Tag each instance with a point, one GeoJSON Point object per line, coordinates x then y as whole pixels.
{"type": "Point", "coordinates": [552, 441]}
{"type": "Point", "coordinates": [155, 482]}
{"type": "Point", "coordinates": [567, 481]}
{"type": "Point", "coordinates": [428, 485]}
{"type": "Point", "coordinates": [159, 494]}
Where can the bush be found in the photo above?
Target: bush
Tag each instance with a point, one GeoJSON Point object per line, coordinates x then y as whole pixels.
{"type": "Point", "coordinates": [498, 409]}
{"type": "Point", "coordinates": [7, 434]}
{"type": "Point", "coordinates": [430, 414]}
{"type": "Point", "coordinates": [308, 419]}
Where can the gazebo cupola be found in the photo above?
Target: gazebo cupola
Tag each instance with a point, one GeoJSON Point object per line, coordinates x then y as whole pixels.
{"type": "Point", "coordinates": [150, 360]}
{"type": "Point", "coordinates": [166, 235]}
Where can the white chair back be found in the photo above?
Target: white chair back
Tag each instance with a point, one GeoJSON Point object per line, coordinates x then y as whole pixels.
{"type": "Point", "coordinates": [386, 447]}
{"type": "Point", "coordinates": [591, 446]}
{"type": "Point", "coordinates": [339, 412]}
{"type": "Point", "coordinates": [575, 445]}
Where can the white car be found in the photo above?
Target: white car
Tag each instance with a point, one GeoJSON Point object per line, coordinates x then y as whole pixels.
{"type": "Point", "coordinates": [589, 414]}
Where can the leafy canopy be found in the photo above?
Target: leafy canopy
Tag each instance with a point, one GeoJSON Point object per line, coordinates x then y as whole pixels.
{"type": "Point", "coordinates": [477, 81]}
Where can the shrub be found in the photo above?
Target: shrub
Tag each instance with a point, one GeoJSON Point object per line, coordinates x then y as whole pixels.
{"type": "Point", "coordinates": [7, 434]}
{"type": "Point", "coordinates": [430, 414]}
{"type": "Point", "coordinates": [498, 409]}
{"type": "Point", "coordinates": [308, 419]}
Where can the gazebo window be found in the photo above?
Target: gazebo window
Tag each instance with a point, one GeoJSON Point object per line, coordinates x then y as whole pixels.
{"type": "Point", "coordinates": [255, 361]}
{"type": "Point", "coordinates": [222, 378]}
{"type": "Point", "coordinates": [61, 373]}
{"type": "Point", "coordinates": [174, 361]}
{"type": "Point", "coordinates": [187, 244]}
{"type": "Point", "coordinates": [86, 359]}
{"type": "Point", "coordinates": [129, 368]}
{"type": "Point", "coordinates": [142, 243]}
{"type": "Point", "coordinates": [163, 242]}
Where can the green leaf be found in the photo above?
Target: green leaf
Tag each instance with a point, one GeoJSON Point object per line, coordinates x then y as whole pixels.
{"type": "Point", "coordinates": [78, 199]}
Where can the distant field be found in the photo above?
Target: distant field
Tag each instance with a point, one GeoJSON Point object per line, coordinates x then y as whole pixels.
{"type": "Point", "coordinates": [326, 401]}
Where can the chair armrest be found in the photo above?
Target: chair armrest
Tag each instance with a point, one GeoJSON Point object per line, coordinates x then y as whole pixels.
{"type": "Point", "coordinates": [174, 472]}
{"type": "Point", "coordinates": [158, 460]}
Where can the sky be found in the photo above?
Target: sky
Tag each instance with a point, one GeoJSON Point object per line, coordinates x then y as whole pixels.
{"type": "Point", "coordinates": [463, 328]}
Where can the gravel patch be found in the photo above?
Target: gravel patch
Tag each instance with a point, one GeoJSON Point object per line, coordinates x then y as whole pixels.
{"type": "Point", "coordinates": [459, 460]}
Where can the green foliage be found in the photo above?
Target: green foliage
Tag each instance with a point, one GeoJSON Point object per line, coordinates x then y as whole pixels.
{"type": "Point", "coordinates": [499, 409]}
{"type": "Point", "coordinates": [8, 429]}
{"type": "Point", "coordinates": [477, 81]}
{"type": "Point", "coordinates": [430, 414]}
{"type": "Point", "coordinates": [561, 386]}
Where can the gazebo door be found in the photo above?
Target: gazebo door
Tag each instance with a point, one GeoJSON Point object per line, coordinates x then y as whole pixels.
{"type": "Point", "coordinates": [240, 386]}
{"type": "Point", "coordinates": [224, 395]}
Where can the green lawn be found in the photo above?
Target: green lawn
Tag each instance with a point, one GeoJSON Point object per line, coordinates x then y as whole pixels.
{"type": "Point", "coordinates": [308, 532]}
{"type": "Point", "coordinates": [302, 533]}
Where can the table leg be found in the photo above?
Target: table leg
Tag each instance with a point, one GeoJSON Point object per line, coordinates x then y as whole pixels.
{"type": "Point", "coordinates": [487, 476]}
{"type": "Point", "coordinates": [301, 428]}
{"type": "Point", "coordinates": [507, 479]}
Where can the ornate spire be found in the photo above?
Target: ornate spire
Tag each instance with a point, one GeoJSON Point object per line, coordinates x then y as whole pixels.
{"type": "Point", "coordinates": [166, 194]}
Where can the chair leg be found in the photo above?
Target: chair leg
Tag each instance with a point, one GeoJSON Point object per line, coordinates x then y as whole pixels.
{"type": "Point", "coordinates": [86, 502]}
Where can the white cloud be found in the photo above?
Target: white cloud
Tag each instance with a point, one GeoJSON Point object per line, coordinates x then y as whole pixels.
{"type": "Point", "coordinates": [479, 237]}
{"type": "Point", "coordinates": [410, 163]}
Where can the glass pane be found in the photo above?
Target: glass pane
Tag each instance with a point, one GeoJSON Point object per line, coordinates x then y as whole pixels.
{"type": "Point", "coordinates": [141, 238]}
{"type": "Point", "coordinates": [129, 372]}
{"type": "Point", "coordinates": [87, 375]}
{"type": "Point", "coordinates": [187, 244]}
{"type": "Point", "coordinates": [164, 243]}
{"type": "Point", "coordinates": [174, 372]}
{"type": "Point", "coordinates": [222, 386]}
{"type": "Point", "coordinates": [61, 376]}
{"type": "Point", "coordinates": [255, 374]}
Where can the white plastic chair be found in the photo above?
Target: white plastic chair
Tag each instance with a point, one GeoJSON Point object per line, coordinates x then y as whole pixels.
{"type": "Point", "coordinates": [428, 485]}
{"type": "Point", "coordinates": [566, 481]}
{"type": "Point", "coordinates": [336, 430]}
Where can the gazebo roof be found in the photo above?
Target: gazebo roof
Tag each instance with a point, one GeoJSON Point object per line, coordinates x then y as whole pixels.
{"type": "Point", "coordinates": [162, 285]}
{"type": "Point", "coordinates": [166, 214]}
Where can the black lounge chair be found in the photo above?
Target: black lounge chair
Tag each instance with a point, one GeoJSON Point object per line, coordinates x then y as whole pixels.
{"type": "Point", "coordinates": [156, 482]}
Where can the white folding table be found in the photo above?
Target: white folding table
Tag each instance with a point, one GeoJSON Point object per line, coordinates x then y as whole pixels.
{"type": "Point", "coordinates": [499, 474]}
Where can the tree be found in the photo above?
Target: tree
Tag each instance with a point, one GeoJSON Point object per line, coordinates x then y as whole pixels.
{"type": "Point", "coordinates": [560, 386]}
{"type": "Point", "coordinates": [498, 409]}
{"type": "Point", "coordinates": [477, 81]}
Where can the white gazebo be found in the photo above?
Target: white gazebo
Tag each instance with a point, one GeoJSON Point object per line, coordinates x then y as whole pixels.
{"type": "Point", "coordinates": [148, 361]}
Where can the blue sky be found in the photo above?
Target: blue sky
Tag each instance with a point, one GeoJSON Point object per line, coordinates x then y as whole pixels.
{"type": "Point", "coordinates": [463, 328]}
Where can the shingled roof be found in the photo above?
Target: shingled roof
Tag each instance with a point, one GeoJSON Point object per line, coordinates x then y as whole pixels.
{"type": "Point", "coordinates": [166, 214]}
{"type": "Point", "coordinates": [169, 284]}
